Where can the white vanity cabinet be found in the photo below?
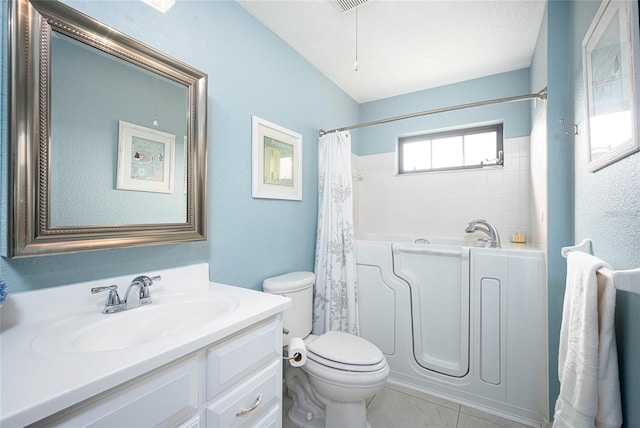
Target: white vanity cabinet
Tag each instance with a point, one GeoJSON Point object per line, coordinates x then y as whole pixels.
{"type": "Point", "coordinates": [234, 382]}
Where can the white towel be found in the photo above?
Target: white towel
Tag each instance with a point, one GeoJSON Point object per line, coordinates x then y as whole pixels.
{"type": "Point", "coordinates": [588, 361]}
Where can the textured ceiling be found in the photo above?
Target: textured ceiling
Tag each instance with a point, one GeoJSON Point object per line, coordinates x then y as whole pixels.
{"type": "Point", "coordinates": [405, 46]}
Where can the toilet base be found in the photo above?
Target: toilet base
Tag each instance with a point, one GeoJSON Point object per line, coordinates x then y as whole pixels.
{"type": "Point", "coordinates": [310, 411]}
{"type": "Point", "coordinates": [300, 418]}
{"type": "Point", "coordinates": [307, 410]}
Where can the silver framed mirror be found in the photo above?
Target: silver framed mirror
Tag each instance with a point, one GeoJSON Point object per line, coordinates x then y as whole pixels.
{"type": "Point", "coordinates": [107, 137]}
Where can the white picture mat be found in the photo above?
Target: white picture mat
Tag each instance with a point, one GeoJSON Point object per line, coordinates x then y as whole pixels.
{"type": "Point", "coordinates": [612, 135]}
{"type": "Point", "coordinates": [260, 188]}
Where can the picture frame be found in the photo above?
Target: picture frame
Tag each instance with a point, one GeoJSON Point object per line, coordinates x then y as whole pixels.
{"type": "Point", "coordinates": [276, 161]}
{"type": "Point", "coordinates": [145, 159]}
{"type": "Point", "coordinates": [610, 62]}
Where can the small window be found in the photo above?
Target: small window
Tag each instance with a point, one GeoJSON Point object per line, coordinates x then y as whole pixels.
{"type": "Point", "coordinates": [458, 149]}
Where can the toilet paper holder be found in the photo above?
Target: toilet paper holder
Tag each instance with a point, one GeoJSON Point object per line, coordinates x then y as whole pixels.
{"type": "Point", "coordinates": [296, 357]}
{"type": "Point", "coordinates": [296, 352]}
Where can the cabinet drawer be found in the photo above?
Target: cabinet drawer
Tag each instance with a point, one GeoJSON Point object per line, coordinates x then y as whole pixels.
{"type": "Point", "coordinates": [238, 357]}
{"type": "Point", "coordinates": [270, 420]}
{"type": "Point", "coordinates": [192, 423]}
{"type": "Point", "coordinates": [255, 397]}
{"type": "Point", "coordinates": [165, 397]}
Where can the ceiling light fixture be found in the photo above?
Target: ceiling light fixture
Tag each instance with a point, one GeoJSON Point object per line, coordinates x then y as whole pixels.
{"type": "Point", "coordinates": [161, 5]}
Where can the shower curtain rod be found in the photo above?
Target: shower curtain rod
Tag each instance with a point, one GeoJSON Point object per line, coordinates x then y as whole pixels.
{"type": "Point", "coordinates": [541, 95]}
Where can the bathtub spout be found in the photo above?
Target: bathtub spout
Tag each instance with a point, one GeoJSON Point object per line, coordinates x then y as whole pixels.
{"type": "Point", "coordinates": [487, 228]}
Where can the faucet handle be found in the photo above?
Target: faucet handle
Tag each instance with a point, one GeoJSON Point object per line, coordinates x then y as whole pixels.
{"type": "Point", "coordinates": [146, 282]}
{"type": "Point", "coordinates": [113, 299]}
{"type": "Point", "coordinates": [149, 281]}
{"type": "Point", "coordinates": [483, 241]}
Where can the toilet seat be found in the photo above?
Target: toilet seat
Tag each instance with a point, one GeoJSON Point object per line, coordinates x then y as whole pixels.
{"type": "Point", "coordinates": [346, 352]}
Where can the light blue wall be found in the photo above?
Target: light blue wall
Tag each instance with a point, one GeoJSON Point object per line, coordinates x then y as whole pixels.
{"type": "Point", "coordinates": [516, 116]}
{"type": "Point", "coordinates": [607, 210]}
{"type": "Point", "coordinates": [603, 206]}
{"type": "Point", "coordinates": [251, 72]}
{"type": "Point", "coordinates": [559, 174]}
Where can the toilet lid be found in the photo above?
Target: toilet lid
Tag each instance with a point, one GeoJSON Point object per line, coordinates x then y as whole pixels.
{"type": "Point", "coordinates": [345, 351]}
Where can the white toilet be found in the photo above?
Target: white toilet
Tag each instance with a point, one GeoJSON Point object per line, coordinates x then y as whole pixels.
{"type": "Point", "coordinates": [342, 370]}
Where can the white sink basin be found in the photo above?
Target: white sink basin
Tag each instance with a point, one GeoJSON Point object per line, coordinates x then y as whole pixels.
{"type": "Point", "coordinates": [169, 315]}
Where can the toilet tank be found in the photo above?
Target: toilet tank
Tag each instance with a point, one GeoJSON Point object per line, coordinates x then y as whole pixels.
{"type": "Point", "coordinates": [298, 286]}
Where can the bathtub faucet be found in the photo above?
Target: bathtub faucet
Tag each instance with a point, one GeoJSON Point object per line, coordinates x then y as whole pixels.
{"type": "Point", "coordinates": [485, 227]}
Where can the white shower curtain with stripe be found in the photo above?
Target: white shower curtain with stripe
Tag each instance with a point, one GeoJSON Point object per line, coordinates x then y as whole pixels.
{"type": "Point", "coordinates": [335, 305]}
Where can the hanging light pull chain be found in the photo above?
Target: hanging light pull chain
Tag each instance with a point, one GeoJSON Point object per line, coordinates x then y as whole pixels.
{"type": "Point", "coordinates": [356, 66]}
{"type": "Point", "coordinates": [155, 107]}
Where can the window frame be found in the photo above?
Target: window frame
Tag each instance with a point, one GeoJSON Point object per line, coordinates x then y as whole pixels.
{"type": "Point", "coordinates": [458, 132]}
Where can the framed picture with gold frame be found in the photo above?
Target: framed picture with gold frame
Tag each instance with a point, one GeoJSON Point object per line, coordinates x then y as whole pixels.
{"type": "Point", "coordinates": [276, 161]}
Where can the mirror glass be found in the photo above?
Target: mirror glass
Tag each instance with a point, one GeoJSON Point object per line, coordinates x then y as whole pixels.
{"type": "Point", "coordinates": [91, 93]}
{"type": "Point", "coordinates": [108, 137]}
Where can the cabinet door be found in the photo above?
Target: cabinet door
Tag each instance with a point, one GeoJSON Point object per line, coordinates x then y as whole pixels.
{"type": "Point", "coordinates": [249, 402]}
{"type": "Point", "coordinates": [166, 397]}
{"type": "Point", "coordinates": [237, 358]}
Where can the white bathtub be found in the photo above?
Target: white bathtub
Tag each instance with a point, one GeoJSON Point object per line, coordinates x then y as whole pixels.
{"type": "Point", "coordinates": [464, 240]}
{"type": "Point", "coordinates": [458, 321]}
{"type": "Point", "coordinates": [411, 237]}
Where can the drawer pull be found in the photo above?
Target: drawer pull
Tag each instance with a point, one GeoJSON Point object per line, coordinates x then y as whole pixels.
{"type": "Point", "coordinates": [250, 409]}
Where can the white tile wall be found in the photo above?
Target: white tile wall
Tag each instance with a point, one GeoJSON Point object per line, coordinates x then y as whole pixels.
{"type": "Point", "coordinates": [439, 205]}
{"type": "Point", "coordinates": [538, 217]}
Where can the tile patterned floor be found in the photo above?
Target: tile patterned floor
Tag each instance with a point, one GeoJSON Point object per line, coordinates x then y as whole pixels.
{"type": "Point", "coordinates": [399, 407]}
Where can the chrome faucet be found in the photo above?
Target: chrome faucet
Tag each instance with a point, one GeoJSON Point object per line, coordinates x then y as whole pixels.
{"type": "Point", "coordinates": [485, 227]}
{"type": "Point", "coordinates": [139, 297]}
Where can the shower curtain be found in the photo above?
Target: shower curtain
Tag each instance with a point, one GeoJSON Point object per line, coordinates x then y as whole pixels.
{"type": "Point", "coordinates": [335, 305]}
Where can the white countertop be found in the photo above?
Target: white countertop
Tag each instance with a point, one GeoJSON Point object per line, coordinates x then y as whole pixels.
{"type": "Point", "coordinates": [37, 384]}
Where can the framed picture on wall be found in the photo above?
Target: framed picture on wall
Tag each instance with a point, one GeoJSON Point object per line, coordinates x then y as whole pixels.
{"type": "Point", "coordinates": [276, 161]}
{"type": "Point", "coordinates": [145, 159]}
{"type": "Point", "coordinates": [610, 55]}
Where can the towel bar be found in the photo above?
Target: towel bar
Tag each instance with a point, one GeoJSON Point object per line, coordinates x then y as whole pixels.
{"type": "Point", "coordinates": [626, 280]}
